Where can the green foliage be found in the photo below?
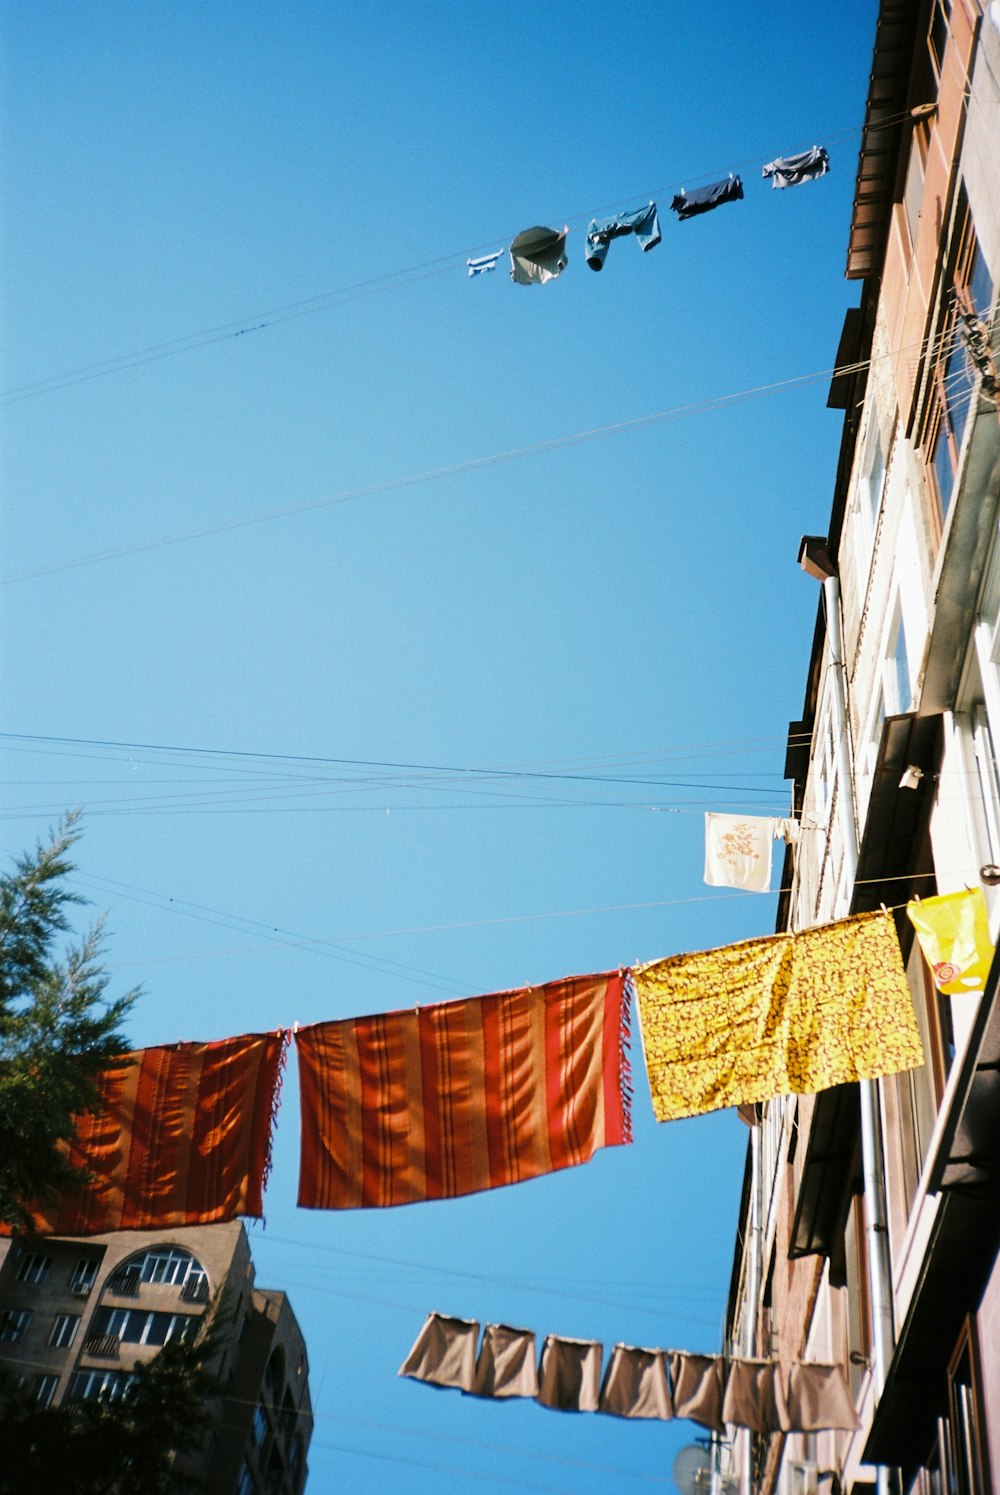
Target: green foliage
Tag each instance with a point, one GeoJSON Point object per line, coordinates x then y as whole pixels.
{"type": "Point", "coordinates": [131, 1446]}
{"type": "Point", "coordinates": [57, 1030]}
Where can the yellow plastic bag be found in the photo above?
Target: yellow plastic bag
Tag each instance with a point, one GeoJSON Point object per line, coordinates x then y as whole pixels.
{"type": "Point", "coordinates": [954, 935]}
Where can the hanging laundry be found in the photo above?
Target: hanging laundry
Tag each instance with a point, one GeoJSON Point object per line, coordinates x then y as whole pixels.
{"type": "Point", "coordinates": [789, 171]}
{"type": "Point", "coordinates": [460, 1096]}
{"type": "Point", "coordinates": [643, 223]}
{"type": "Point", "coordinates": [783, 1015]}
{"type": "Point", "coordinates": [484, 264]}
{"type": "Point", "coordinates": [182, 1137]}
{"type": "Point", "coordinates": [954, 935]}
{"type": "Point", "coordinates": [738, 851]}
{"type": "Point", "coordinates": [698, 1384]}
{"type": "Point", "coordinates": [704, 199]}
{"type": "Point", "coordinates": [537, 255]}
{"type": "Point", "coordinates": [570, 1376]}
{"type": "Point", "coordinates": [444, 1352]}
{"type": "Point", "coordinates": [818, 1398]}
{"type": "Point", "coordinates": [506, 1364]}
{"type": "Point", "coordinates": [755, 1396]}
{"type": "Point", "coordinates": [635, 1384]}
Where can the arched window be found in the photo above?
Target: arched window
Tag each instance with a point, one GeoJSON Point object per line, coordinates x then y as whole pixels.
{"type": "Point", "coordinates": [170, 1266]}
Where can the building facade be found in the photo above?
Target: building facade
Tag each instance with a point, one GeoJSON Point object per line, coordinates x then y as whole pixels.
{"type": "Point", "coordinates": [868, 1230]}
{"type": "Point", "coordinates": [77, 1315]}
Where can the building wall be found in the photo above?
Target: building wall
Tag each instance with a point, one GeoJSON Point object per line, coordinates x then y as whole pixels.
{"type": "Point", "coordinates": [914, 536]}
{"type": "Point", "coordinates": [85, 1304]}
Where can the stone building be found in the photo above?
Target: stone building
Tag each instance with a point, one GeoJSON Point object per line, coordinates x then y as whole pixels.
{"type": "Point", "coordinates": [868, 1229]}
{"type": "Point", "coordinates": [76, 1315]}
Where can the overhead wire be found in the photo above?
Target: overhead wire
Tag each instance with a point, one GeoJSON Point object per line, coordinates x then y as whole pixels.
{"type": "Point", "coordinates": [455, 469]}
{"type": "Point", "coordinates": [330, 300]}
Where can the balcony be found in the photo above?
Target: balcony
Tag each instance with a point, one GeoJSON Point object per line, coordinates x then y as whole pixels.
{"type": "Point", "coordinates": [104, 1346]}
{"type": "Point", "coordinates": [125, 1284]}
{"type": "Point", "coordinates": [195, 1290]}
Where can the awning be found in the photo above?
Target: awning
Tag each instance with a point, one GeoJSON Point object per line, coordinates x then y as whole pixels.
{"type": "Point", "coordinates": [831, 1164]}
{"type": "Point", "coordinates": [888, 871]}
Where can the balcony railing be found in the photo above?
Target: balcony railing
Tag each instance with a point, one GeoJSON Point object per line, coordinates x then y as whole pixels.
{"type": "Point", "coordinates": [195, 1290]}
{"type": "Point", "coordinates": [125, 1284]}
{"type": "Point", "coordinates": [107, 1346]}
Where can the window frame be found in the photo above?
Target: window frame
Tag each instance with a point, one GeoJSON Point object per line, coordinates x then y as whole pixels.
{"type": "Point", "coordinates": [64, 1329]}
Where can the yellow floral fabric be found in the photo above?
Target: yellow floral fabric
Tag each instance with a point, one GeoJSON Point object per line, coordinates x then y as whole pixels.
{"type": "Point", "coordinates": [784, 1015]}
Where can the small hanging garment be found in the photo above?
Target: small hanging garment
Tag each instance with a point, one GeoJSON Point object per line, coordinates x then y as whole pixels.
{"type": "Point", "coordinates": [507, 1363]}
{"type": "Point", "coordinates": [570, 1376]}
{"type": "Point", "coordinates": [643, 223]}
{"type": "Point", "coordinates": [755, 1397]}
{"type": "Point", "coordinates": [782, 1015]}
{"type": "Point", "coordinates": [819, 1398]}
{"type": "Point", "coordinates": [444, 1352]}
{"type": "Point", "coordinates": [635, 1384]}
{"type": "Point", "coordinates": [738, 851]}
{"type": "Point", "coordinates": [789, 171]}
{"type": "Point", "coordinates": [484, 263]}
{"type": "Point", "coordinates": [697, 1383]}
{"type": "Point", "coordinates": [537, 255]}
{"type": "Point", "coordinates": [954, 935]}
{"type": "Point", "coordinates": [704, 199]}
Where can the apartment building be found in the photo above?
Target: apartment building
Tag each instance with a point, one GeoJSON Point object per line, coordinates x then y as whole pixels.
{"type": "Point", "coordinates": [77, 1315]}
{"type": "Point", "coordinates": [870, 1217]}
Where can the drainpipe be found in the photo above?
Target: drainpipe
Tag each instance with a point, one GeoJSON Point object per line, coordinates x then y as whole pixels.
{"type": "Point", "coordinates": [814, 559]}
{"type": "Point", "coordinates": [753, 1287]}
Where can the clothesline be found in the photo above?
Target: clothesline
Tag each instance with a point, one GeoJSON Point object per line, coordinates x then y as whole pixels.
{"type": "Point", "coordinates": [439, 1101]}
{"type": "Point", "coordinates": [765, 1395]}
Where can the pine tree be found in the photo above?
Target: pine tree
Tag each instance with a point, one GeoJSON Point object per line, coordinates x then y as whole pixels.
{"type": "Point", "coordinates": [57, 1030]}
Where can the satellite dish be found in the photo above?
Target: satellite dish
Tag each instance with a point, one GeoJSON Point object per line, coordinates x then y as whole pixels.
{"type": "Point", "coordinates": [693, 1470]}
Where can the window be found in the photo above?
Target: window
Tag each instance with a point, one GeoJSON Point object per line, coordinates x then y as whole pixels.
{"type": "Point", "coordinates": [34, 1268]}
{"type": "Point", "coordinates": [84, 1276]}
{"type": "Point", "coordinates": [938, 37]}
{"type": "Point", "coordinates": [14, 1323]}
{"type": "Point", "coordinates": [259, 1427]}
{"type": "Point", "coordinates": [45, 1389]}
{"type": "Point", "coordinates": [167, 1265]}
{"type": "Point", "coordinates": [99, 1385]}
{"type": "Point", "coordinates": [866, 504]}
{"type": "Point", "coordinates": [897, 683]}
{"type": "Point", "coordinates": [859, 1334]}
{"type": "Point", "coordinates": [952, 378]}
{"type": "Point", "coordinates": [142, 1325]}
{"type": "Point", "coordinates": [64, 1330]}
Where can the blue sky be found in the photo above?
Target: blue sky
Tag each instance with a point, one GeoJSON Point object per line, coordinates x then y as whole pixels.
{"type": "Point", "coordinates": [285, 734]}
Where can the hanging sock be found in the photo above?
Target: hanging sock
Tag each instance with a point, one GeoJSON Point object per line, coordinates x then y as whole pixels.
{"type": "Point", "coordinates": [954, 935]}
{"type": "Point", "coordinates": [644, 223]}
{"type": "Point", "coordinates": [636, 1384]}
{"type": "Point", "coordinates": [444, 1352]}
{"type": "Point", "coordinates": [507, 1363]}
{"type": "Point", "coordinates": [697, 1383]}
{"type": "Point", "coordinates": [704, 199]}
{"type": "Point", "coordinates": [570, 1376]}
{"type": "Point", "coordinates": [484, 264]}
{"type": "Point", "coordinates": [790, 171]}
{"type": "Point", "coordinates": [819, 1398]}
{"type": "Point", "coordinates": [738, 851]}
{"type": "Point", "coordinates": [181, 1136]}
{"type": "Point", "coordinates": [537, 255]}
{"type": "Point", "coordinates": [755, 1396]}
{"type": "Point", "coordinates": [782, 1015]}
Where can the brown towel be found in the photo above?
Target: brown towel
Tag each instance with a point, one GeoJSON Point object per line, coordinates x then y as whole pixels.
{"type": "Point", "coordinates": [755, 1396]}
{"type": "Point", "coordinates": [697, 1383]}
{"type": "Point", "coordinates": [636, 1384]}
{"type": "Point", "coordinates": [444, 1352]}
{"type": "Point", "coordinates": [506, 1365]}
{"type": "Point", "coordinates": [819, 1397]}
{"type": "Point", "coordinates": [570, 1377]}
